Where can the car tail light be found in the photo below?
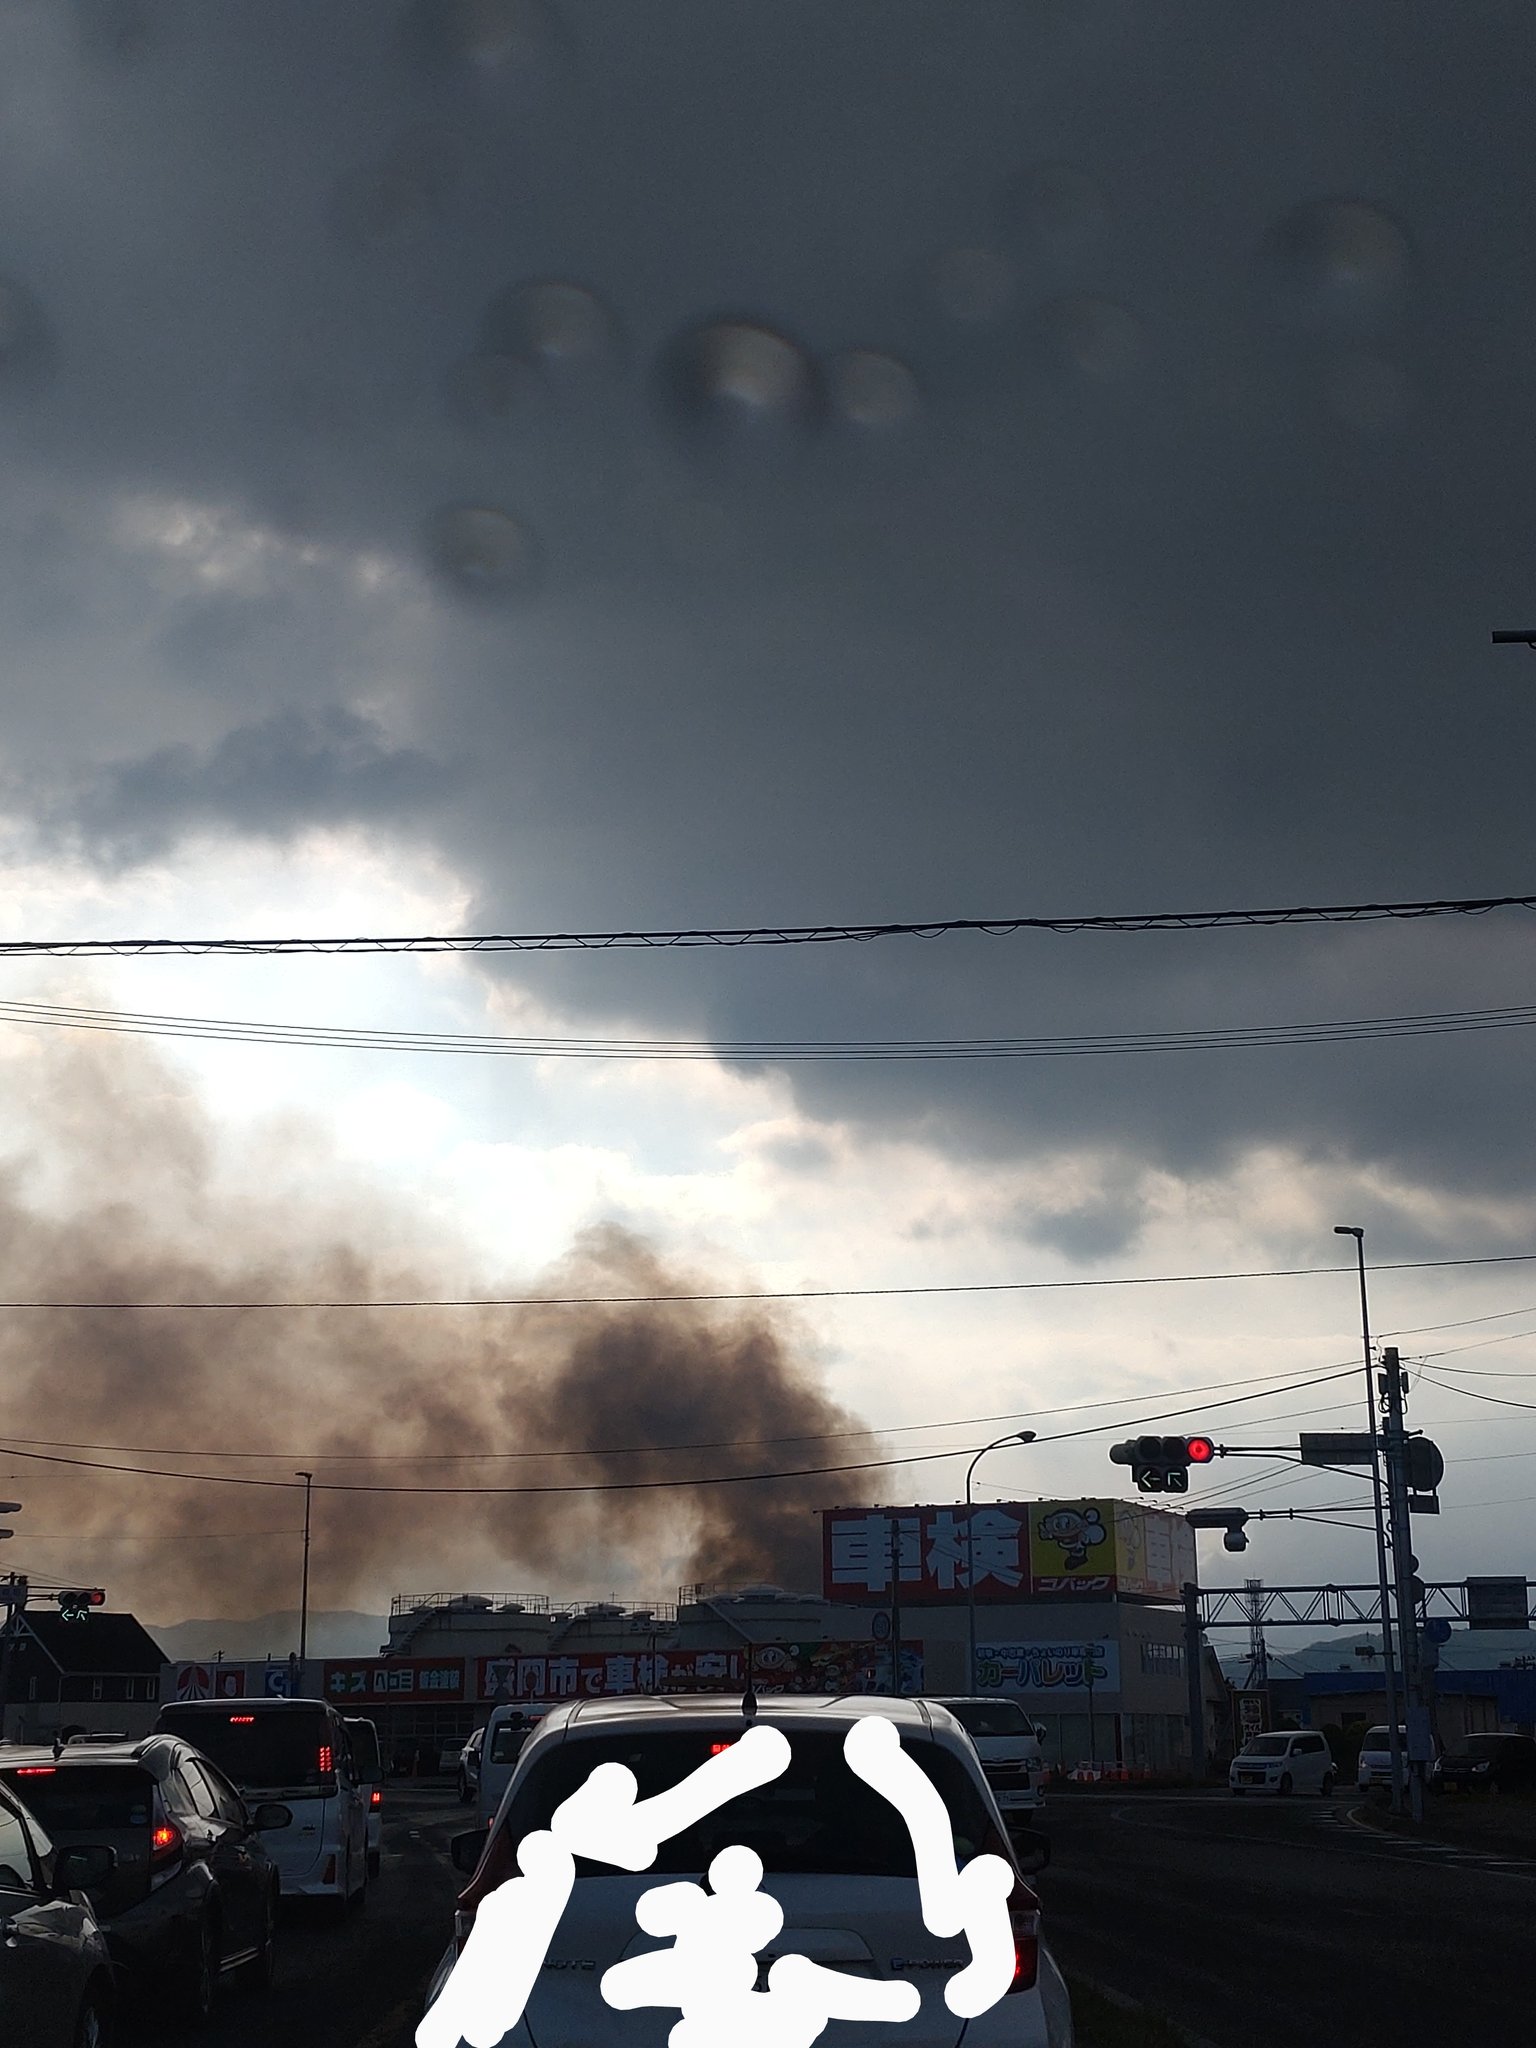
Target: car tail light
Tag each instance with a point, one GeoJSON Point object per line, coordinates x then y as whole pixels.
{"type": "Point", "coordinates": [35, 1771]}
{"type": "Point", "coordinates": [330, 1871]}
{"type": "Point", "coordinates": [165, 1846]}
{"type": "Point", "coordinates": [1024, 1919]}
{"type": "Point", "coordinates": [375, 1799]}
{"type": "Point", "coordinates": [325, 1761]}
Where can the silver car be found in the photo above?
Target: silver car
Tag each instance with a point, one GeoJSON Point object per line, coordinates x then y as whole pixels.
{"type": "Point", "coordinates": [836, 1857]}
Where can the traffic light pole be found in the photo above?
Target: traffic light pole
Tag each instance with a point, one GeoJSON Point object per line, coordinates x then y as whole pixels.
{"type": "Point", "coordinates": [1395, 1445]}
{"type": "Point", "coordinates": [1194, 1672]}
{"type": "Point", "coordinates": [1388, 1667]}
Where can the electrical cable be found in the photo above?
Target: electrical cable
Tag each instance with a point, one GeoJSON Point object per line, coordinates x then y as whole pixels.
{"type": "Point", "coordinates": [773, 935]}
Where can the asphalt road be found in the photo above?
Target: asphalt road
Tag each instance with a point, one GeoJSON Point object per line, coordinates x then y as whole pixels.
{"type": "Point", "coordinates": [358, 1983]}
{"type": "Point", "coordinates": [1262, 1923]}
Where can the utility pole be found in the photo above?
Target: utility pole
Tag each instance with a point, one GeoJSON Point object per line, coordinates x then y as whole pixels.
{"type": "Point", "coordinates": [895, 1606]}
{"type": "Point", "coordinates": [1395, 1439]}
{"type": "Point", "coordinates": [1194, 1672]}
{"type": "Point", "coordinates": [1388, 1667]}
{"type": "Point", "coordinates": [309, 1480]}
{"type": "Point", "coordinates": [15, 1592]}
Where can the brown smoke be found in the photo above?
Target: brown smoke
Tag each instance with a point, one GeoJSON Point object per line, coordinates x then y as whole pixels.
{"type": "Point", "coordinates": [128, 1194]}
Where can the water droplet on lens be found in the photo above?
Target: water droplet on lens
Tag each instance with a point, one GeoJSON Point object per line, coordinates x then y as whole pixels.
{"type": "Point", "coordinates": [1342, 261]}
{"type": "Point", "coordinates": [973, 285]}
{"type": "Point", "coordinates": [1367, 392]}
{"type": "Point", "coordinates": [871, 390]}
{"type": "Point", "coordinates": [1059, 209]}
{"type": "Point", "coordinates": [483, 552]}
{"type": "Point", "coordinates": [741, 379]}
{"type": "Point", "coordinates": [561, 326]}
{"type": "Point", "coordinates": [1092, 338]}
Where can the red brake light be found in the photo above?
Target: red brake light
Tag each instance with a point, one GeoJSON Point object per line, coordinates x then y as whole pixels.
{"type": "Point", "coordinates": [1201, 1450]}
{"type": "Point", "coordinates": [718, 1748]}
{"type": "Point", "coordinates": [325, 1761]}
{"type": "Point", "coordinates": [164, 1844]}
{"type": "Point", "coordinates": [376, 1797]}
{"type": "Point", "coordinates": [35, 1771]}
{"type": "Point", "coordinates": [1024, 1918]}
{"type": "Point", "coordinates": [242, 1720]}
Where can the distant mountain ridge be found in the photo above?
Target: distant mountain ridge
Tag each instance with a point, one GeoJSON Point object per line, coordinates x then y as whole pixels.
{"type": "Point", "coordinates": [333, 1632]}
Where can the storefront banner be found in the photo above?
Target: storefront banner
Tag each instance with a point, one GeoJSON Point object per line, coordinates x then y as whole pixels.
{"type": "Point", "coordinates": [928, 1546]}
{"type": "Point", "coordinates": [1048, 1668]}
{"type": "Point", "coordinates": [773, 1668]}
{"type": "Point", "coordinates": [394, 1678]}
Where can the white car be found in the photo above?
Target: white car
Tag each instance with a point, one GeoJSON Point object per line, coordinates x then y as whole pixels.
{"type": "Point", "coordinates": [1375, 1766]}
{"type": "Point", "coordinates": [1008, 1743]}
{"type": "Point", "coordinates": [836, 1856]}
{"type": "Point", "coordinates": [1299, 1761]}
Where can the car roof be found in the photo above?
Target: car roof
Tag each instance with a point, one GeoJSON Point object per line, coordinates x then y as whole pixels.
{"type": "Point", "coordinates": [153, 1753]}
{"type": "Point", "coordinates": [680, 1712]}
{"type": "Point", "coordinates": [263, 1704]}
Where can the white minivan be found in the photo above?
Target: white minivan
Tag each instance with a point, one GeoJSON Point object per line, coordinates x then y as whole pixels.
{"type": "Point", "coordinates": [1287, 1761]}
{"type": "Point", "coordinates": [1008, 1743]}
{"type": "Point", "coordinates": [505, 1733]}
{"type": "Point", "coordinates": [1375, 1767]}
{"type": "Point", "coordinates": [303, 1747]}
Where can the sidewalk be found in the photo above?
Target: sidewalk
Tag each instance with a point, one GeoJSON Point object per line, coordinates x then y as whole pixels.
{"type": "Point", "coordinates": [1504, 1823]}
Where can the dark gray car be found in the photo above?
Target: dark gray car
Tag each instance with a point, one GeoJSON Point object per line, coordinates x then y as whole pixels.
{"type": "Point", "coordinates": [192, 1898]}
{"type": "Point", "coordinates": [56, 1984]}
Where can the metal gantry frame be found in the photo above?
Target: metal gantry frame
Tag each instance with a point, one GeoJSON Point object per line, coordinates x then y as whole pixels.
{"type": "Point", "coordinates": [1329, 1606]}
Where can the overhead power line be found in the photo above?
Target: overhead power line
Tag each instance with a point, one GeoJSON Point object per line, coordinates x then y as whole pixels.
{"type": "Point", "coordinates": [790, 1293]}
{"type": "Point", "coordinates": [779, 1051]}
{"type": "Point", "coordinates": [773, 935]}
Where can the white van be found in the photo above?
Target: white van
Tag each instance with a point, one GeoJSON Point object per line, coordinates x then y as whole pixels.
{"type": "Point", "coordinates": [505, 1733]}
{"type": "Point", "coordinates": [1287, 1761]}
{"type": "Point", "coordinates": [1008, 1743]}
{"type": "Point", "coordinates": [301, 1746]}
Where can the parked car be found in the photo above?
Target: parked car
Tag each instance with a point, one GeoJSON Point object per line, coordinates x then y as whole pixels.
{"type": "Point", "coordinates": [192, 1897]}
{"type": "Point", "coordinates": [1488, 1763]}
{"type": "Point", "coordinates": [56, 1985]}
{"type": "Point", "coordinates": [369, 1765]}
{"type": "Point", "coordinates": [1375, 1762]}
{"type": "Point", "coordinates": [1285, 1762]}
{"type": "Point", "coordinates": [469, 1767]}
{"type": "Point", "coordinates": [836, 1856]}
{"type": "Point", "coordinates": [1008, 1743]}
{"type": "Point", "coordinates": [295, 1753]}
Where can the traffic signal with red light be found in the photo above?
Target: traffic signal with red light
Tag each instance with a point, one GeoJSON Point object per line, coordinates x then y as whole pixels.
{"type": "Point", "coordinates": [1160, 1464]}
{"type": "Point", "coordinates": [77, 1602]}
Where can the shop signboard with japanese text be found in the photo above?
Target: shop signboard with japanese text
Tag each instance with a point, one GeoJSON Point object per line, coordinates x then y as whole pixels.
{"type": "Point", "coordinates": [929, 1549]}
{"type": "Point", "coordinates": [772, 1668]}
{"type": "Point", "coordinates": [421, 1679]}
{"type": "Point", "coordinates": [1072, 1547]}
{"type": "Point", "coordinates": [1154, 1552]}
{"type": "Point", "coordinates": [1047, 1669]}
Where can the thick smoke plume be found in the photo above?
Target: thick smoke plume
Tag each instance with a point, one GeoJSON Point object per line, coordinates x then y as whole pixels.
{"type": "Point", "coordinates": [125, 1196]}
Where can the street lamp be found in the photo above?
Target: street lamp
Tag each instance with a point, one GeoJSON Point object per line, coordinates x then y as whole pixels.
{"type": "Point", "coordinates": [309, 1480]}
{"type": "Point", "coordinates": [1017, 1436]}
{"type": "Point", "coordinates": [1388, 1668]}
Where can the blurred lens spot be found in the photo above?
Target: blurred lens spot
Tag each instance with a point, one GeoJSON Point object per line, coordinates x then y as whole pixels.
{"type": "Point", "coordinates": [508, 36]}
{"type": "Point", "coordinates": [871, 391]}
{"type": "Point", "coordinates": [1341, 262]}
{"type": "Point", "coordinates": [738, 379]}
{"type": "Point", "coordinates": [483, 552]}
{"type": "Point", "coordinates": [428, 159]}
{"type": "Point", "coordinates": [973, 285]}
{"type": "Point", "coordinates": [489, 390]}
{"type": "Point", "coordinates": [562, 327]}
{"type": "Point", "coordinates": [1367, 392]}
{"type": "Point", "coordinates": [1092, 338]}
{"type": "Point", "coordinates": [1058, 210]}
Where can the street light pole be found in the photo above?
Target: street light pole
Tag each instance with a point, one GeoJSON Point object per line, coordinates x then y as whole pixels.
{"type": "Point", "coordinates": [309, 1480]}
{"type": "Point", "coordinates": [1017, 1436]}
{"type": "Point", "coordinates": [1388, 1664]}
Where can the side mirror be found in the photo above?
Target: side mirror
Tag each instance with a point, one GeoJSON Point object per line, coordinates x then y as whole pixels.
{"type": "Point", "coordinates": [465, 1851]}
{"type": "Point", "coordinates": [1031, 1850]}
{"type": "Point", "coordinates": [270, 1816]}
{"type": "Point", "coordinates": [81, 1867]}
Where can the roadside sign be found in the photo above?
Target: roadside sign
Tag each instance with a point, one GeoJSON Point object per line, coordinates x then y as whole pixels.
{"type": "Point", "coordinates": [1497, 1603]}
{"type": "Point", "coordinates": [1337, 1447]}
{"type": "Point", "coordinates": [1436, 1631]}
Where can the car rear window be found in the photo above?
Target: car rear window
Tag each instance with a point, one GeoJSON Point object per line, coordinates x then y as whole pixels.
{"type": "Point", "coordinates": [261, 1752]}
{"type": "Point", "coordinates": [364, 1738]}
{"type": "Point", "coordinates": [990, 1717]}
{"type": "Point", "coordinates": [79, 1799]}
{"type": "Point", "coordinates": [1269, 1745]}
{"type": "Point", "coordinates": [507, 1742]}
{"type": "Point", "coordinates": [818, 1818]}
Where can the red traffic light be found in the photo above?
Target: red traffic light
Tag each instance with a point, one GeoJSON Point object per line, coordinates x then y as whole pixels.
{"type": "Point", "coordinates": [1200, 1449]}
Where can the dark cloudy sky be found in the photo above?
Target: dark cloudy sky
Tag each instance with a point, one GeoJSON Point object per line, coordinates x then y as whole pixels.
{"type": "Point", "coordinates": [506, 464]}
